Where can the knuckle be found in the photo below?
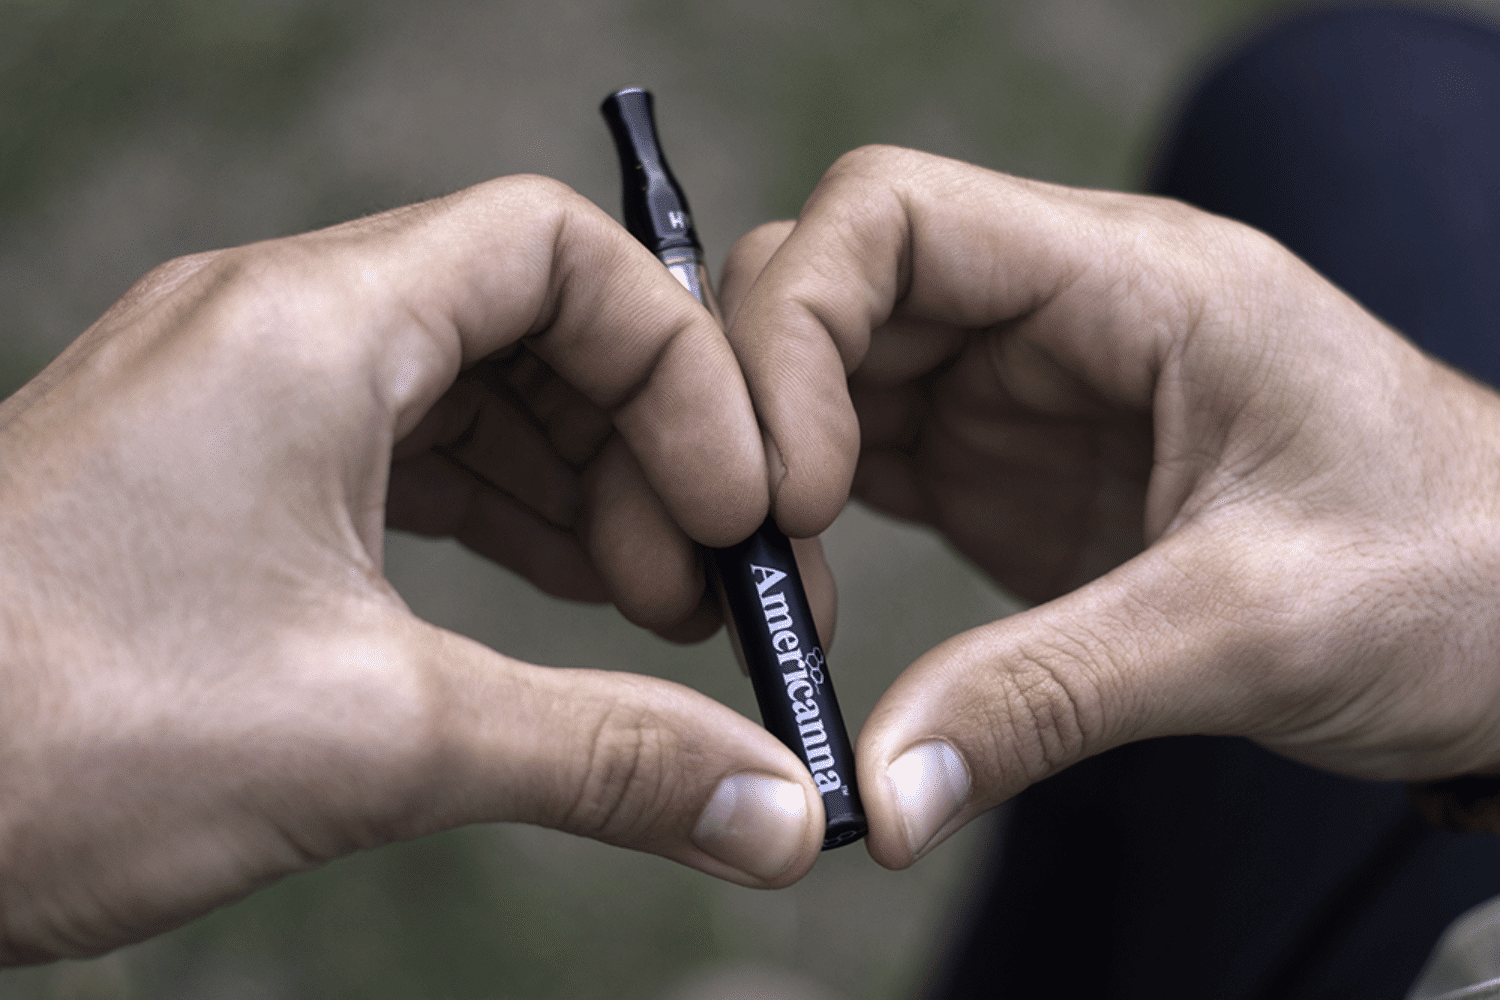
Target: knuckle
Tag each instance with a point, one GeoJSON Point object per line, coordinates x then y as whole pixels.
{"type": "Point", "coordinates": [167, 277]}
{"type": "Point", "coordinates": [862, 174]}
{"type": "Point", "coordinates": [875, 158]}
{"type": "Point", "coordinates": [1047, 699]}
{"type": "Point", "coordinates": [1039, 714]}
{"type": "Point", "coordinates": [1194, 242]}
{"type": "Point", "coordinates": [176, 285]}
{"type": "Point", "coordinates": [627, 781]}
{"type": "Point", "coordinates": [280, 304]}
{"type": "Point", "coordinates": [255, 281]}
{"type": "Point", "coordinates": [543, 205]}
{"type": "Point", "coordinates": [758, 244]}
{"type": "Point", "coordinates": [533, 193]}
{"type": "Point", "coordinates": [259, 305]}
{"type": "Point", "coordinates": [540, 187]}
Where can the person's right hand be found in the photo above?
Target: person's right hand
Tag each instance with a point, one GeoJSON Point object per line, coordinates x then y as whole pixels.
{"type": "Point", "coordinates": [1248, 507]}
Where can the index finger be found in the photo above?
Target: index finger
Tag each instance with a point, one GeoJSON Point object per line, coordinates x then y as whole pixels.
{"type": "Point", "coordinates": [444, 284]}
{"type": "Point", "coordinates": [942, 245]}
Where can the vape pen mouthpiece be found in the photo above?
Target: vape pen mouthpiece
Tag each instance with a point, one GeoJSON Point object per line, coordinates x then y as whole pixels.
{"type": "Point", "coordinates": [656, 210]}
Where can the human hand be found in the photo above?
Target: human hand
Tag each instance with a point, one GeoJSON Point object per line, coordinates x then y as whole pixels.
{"type": "Point", "coordinates": [208, 683]}
{"type": "Point", "coordinates": [1248, 506]}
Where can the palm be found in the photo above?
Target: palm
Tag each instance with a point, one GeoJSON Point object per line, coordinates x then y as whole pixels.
{"type": "Point", "coordinates": [1028, 474]}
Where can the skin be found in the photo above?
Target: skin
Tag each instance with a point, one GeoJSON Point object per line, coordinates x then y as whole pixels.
{"type": "Point", "coordinates": [1241, 504]}
{"type": "Point", "coordinates": [208, 683]}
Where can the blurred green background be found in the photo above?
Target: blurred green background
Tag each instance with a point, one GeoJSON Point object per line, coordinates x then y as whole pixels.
{"type": "Point", "coordinates": [132, 131]}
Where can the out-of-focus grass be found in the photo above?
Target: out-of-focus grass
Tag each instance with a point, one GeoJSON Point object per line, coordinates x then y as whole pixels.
{"type": "Point", "coordinates": [865, 71]}
{"type": "Point", "coordinates": [231, 122]}
{"type": "Point", "coordinates": [76, 74]}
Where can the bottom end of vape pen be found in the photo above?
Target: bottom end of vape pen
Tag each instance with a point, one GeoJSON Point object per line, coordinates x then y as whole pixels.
{"type": "Point", "coordinates": [843, 830]}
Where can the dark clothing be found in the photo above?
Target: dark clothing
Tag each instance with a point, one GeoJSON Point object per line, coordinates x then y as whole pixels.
{"type": "Point", "coordinates": [1366, 139]}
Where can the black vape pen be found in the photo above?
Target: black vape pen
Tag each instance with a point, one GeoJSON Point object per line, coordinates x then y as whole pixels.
{"type": "Point", "coordinates": [769, 621]}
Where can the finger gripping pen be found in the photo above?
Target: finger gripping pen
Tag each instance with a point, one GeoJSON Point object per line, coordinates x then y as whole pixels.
{"type": "Point", "coordinates": [769, 620]}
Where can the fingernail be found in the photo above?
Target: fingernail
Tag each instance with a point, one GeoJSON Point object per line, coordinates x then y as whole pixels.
{"type": "Point", "coordinates": [753, 823]}
{"type": "Point", "coordinates": [931, 786]}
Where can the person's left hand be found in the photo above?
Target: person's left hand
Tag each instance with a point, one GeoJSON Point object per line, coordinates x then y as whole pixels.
{"type": "Point", "coordinates": [1245, 506]}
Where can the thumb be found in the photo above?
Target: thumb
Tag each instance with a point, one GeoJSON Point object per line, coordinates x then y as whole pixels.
{"type": "Point", "coordinates": [1137, 653]}
{"type": "Point", "coordinates": [634, 761]}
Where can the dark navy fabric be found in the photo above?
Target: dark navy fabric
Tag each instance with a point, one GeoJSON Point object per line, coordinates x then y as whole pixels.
{"type": "Point", "coordinates": [1366, 139]}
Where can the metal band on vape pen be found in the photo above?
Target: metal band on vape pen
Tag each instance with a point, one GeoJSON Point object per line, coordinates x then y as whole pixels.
{"type": "Point", "coordinates": [769, 619]}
